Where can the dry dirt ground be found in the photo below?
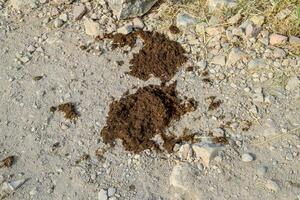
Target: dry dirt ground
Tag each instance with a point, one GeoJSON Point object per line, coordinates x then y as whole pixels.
{"type": "Point", "coordinates": [43, 66]}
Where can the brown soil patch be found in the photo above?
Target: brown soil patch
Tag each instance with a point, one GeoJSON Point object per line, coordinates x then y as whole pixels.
{"type": "Point", "coordinates": [137, 118]}
{"type": "Point", "coordinates": [174, 29]}
{"type": "Point", "coordinates": [67, 108]}
{"type": "Point", "coordinates": [159, 56]}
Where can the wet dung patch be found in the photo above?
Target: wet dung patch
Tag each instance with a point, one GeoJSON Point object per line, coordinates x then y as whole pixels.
{"type": "Point", "coordinates": [138, 117]}
{"type": "Point", "coordinates": [159, 56]}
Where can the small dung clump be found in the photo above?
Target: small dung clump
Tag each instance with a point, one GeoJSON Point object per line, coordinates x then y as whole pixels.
{"type": "Point", "coordinates": [67, 108]}
{"type": "Point", "coordinates": [7, 162]}
{"type": "Point", "coordinates": [138, 117]}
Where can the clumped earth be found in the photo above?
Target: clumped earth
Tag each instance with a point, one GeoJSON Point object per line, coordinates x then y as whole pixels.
{"type": "Point", "coordinates": [159, 56]}
{"type": "Point", "coordinates": [137, 118]}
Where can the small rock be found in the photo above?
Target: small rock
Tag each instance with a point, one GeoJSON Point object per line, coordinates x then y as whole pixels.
{"type": "Point", "coordinates": [111, 191]}
{"type": "Point", "coordinates": [251, 31]}
{"type": "Point", "coordinates": [58, 23]}
{"type": "Point", "coordinates": [261, 171]}
{"type": "Point", "coordinates": [138, 23]}
{"type": "Point", "coordinates": [283, 14]}
{"type": "Point", "coordinates": [64, 17]}
{"type": "Point", "coordinates": [185, 152]}
{"type": "Point", "coordinates": [205, 152]}
{"type": "Point", "coordinates": [258, 95]}
{"type": "Point", "coordinates": [294, 41]}
{"type": "Point", "coordinates": [185, 19]}
{"type": "Point", "coordinates": [293, 83]}
{"type": "Point", "coordinates": [276, 39]}
{"type": "Point", "coordinates": [234, 56]}
{"type": "Point", "coordinates": [79, 11]}
{"type": "Point", "coordinates": [235, 19]}
{"type": "Point", "coordinates": [31, 48]}
{"type": "Point", "coordinates": [24, 59]}
{"type": "Point", "coordinates": [247, 157]}
{"type": "Point", "coordinates": [219, 60]}
{"type": "Point", "coordinates": [257, 63]}
{"type": "Point", "coordinates": [272, 185]}
{"type": "Point", "coordinates": [91, 28]}
{"type": "Point", "coordinates": [126, 29]}
{"type": "Point", "coordinates": [279, 53]}
{"type": "Point", "coordinates": [258, 20]}
{"type": "Point", "coordinates": [102, 195]}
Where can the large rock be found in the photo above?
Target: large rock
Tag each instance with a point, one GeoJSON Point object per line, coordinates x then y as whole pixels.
{"type": "Point", "coordinates": [130, 8]}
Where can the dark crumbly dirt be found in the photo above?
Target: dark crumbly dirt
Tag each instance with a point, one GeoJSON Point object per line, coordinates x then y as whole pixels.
{"type": "Point", "coordinates": [159, 56]}
{"type": "Point", "coordinates": [137, 118]}
{"type": "Point", "coordinates": [174, 29]}
{"type": "Point", "coordinates": [67, 108]}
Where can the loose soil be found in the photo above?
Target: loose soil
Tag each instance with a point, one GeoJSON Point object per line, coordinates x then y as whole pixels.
{"type": "Point", "coordinates": [138, 117]}
{"type": "Point", "coordinates": [159, 56]}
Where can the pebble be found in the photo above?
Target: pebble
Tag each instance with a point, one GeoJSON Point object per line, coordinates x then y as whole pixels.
{"type": "Point", "coordinates": [219, 60]}
{"type": "Point", "coordinates": [234, 56]}
{"type": "Point", "coordinates": [91, 28]}
{"type": "Point", "coordinates": [276, 39]}
{"type": "Point", "coordinates": [58, 23]}
{"type": "Point", "coordinates": [258, 95]}
{"type": "Point", "coordinates": [272, 185]}
{"type": "Point", "coordinates": [261, 171]}
{"type": "Point", "coordinates": [258, 20]}
{"type": "Point", "coordinates": [294, 41]}
{"type": "Point", "coordinates": [13, 185]}
{"type": "Point", "coordinates": [235, 19]}
{"type": "Point", "coordinates": [31, 48]}
{"type": "Point", "coordinates": [138, 23]}
{"type": "Point", "coordinates": [205, 152]}
{"type": "Point", "coordinates": [185, 19]}
{"type": "Point", "coordinates": [102, 195]}
{"type": "Point", "coordinates": [79, 11]}
{"type": "Point", "coordinates": [247, 157]}
{"type": "Point", "coordinates": [279, 53]}
{"type": "Point", "coordinates": [185, 152]}
{"type": "Point", "coordinates": [111, 191]}
{"type": "Point", "coordinates": [126, 29]}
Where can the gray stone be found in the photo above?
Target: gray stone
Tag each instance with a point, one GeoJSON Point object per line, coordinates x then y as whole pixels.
{"type": "Point", "coordinates": [58, 23]}
{"type": "Point", "coordinates": [185, 19]}
{"type": "Point", "coordinates": [130, 8]}
{"type": "Point", "coordinates": [138, 23]}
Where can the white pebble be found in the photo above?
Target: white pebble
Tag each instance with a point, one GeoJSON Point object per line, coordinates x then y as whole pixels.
{"type": "Point", "coordinates": [247, 157]}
